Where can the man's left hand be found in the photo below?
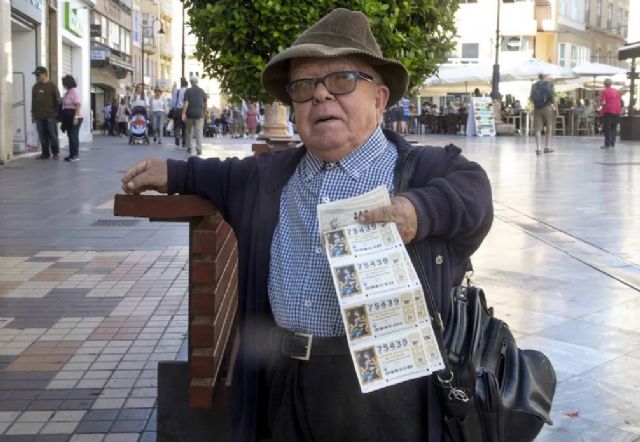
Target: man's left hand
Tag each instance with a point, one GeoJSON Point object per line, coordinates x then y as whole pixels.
{"type": "Point", "coordinates": [401, 212]}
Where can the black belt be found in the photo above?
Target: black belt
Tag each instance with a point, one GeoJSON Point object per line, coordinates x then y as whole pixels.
{"type": "Point", "coordinates": [302, 346]}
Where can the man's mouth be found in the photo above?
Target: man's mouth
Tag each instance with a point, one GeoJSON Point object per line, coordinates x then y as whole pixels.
{"type": "Point", "coordinates": [325, 119]}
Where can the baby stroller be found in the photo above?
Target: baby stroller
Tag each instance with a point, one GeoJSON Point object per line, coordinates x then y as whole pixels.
{"type": "Point", "coordinates": [138, 126]}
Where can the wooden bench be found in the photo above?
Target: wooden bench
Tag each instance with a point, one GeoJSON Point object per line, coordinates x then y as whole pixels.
{"type": "Point", "coordinates": [191, 403]}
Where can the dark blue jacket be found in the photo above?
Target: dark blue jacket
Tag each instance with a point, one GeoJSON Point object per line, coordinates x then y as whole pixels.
{"type": "Point", "coordinates": [452, 197]}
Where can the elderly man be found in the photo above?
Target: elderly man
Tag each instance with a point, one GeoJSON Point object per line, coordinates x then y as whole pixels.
{"type": "Point", "coordinates": [339, 84]}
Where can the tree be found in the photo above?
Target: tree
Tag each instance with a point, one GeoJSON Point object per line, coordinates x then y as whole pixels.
{"type": "Point", "coordinates": [237, 38]}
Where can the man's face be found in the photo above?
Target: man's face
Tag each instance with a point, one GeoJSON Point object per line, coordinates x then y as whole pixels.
{"type": "Point", "coordinates": [333, 126]}
{"type": "Point", "coordinates": [41, 77]}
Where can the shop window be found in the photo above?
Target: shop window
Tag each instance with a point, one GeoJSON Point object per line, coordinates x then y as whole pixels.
{"type": "Point", "coordinates": [470, 50]}
{"type": "Point", "coordinates": [561, 54]}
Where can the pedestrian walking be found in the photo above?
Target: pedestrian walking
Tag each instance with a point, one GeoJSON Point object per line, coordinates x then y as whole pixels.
{"type": "Point", "coordinates": [159, 109]}
{"type": "Point", "coordinates": [611, 109]}
{"type": "Point", "coordinates": [195, 102]}
{"type": "Point", "coordinates": [45, 99]}
{"type": "Point", "coordinates": [338, 82]}
{"type": "Point", "coordinates": [71, 117]}
{"type": "Point", "coordinates": [252, 119]}
{"type": "Point", "coordinates": [122, 117]}
{"type": "Point", "coordinates": [114, 117]}
{"type": "Point", "coordinates": [106, 115]}
{"type": "Point", "coordinates": [543, 96]}
{"type": "Point", "coordinates": [177, 103]}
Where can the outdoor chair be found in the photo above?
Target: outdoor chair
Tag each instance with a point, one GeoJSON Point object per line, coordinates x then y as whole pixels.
{"type": "Point", "coordinates": [560, 125]}
{"type": "Point", "coordinates": [585, 124]}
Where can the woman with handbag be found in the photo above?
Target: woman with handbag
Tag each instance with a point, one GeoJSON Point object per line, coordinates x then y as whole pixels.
{"type": "Point", "coordinates": [122, 117]}
{"type": "Point", "coordinates": [71, 118]}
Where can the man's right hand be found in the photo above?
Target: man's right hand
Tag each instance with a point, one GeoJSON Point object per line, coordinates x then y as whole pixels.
{"type": "Point", "coordinates": [148, 174]}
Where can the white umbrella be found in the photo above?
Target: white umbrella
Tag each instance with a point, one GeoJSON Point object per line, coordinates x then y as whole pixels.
{"type": "Point", "coordinates": [457, 74]}
{"type": "Point", "coordinates": [596, 70]}
{"type": "Point", "coordinates": [530, 70]}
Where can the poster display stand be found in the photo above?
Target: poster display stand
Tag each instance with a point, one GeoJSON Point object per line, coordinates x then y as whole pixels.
{"type": "Point", "coordinates": [481, 119]}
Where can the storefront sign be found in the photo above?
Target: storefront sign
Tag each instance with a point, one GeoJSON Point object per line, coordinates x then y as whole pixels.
{"type": "Point", "coordinates": [72, 21]}
{"type": "Point", "coordinates": [514, 44]}
{"type": "Point", "coordinates": [30, 8]}
{"type": "Point", "coordinates": [96, 31]}
{"type": "Point", "coordinates": [99, 54]}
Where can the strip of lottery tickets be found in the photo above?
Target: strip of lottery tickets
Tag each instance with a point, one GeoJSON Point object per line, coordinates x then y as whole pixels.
{"type": "Point", "coordinates": [382, 303]}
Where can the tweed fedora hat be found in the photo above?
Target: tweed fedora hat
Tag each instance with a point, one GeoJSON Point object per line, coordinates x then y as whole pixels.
{"type": "Point", "coordinates": [340, 33]}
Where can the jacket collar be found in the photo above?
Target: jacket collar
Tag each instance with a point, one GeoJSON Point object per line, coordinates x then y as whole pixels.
{"type": "Point", "coordinates": [292, 157]}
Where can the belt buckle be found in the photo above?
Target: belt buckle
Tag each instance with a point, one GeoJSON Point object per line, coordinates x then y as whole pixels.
{"type": "Point", "coordinates": [307, 354]}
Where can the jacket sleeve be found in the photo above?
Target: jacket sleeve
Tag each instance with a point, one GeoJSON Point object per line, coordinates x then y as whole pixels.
{"type": "Point", "coordinates": [452, 198]}
{"type": "Point", "coordinates": [223, 182]}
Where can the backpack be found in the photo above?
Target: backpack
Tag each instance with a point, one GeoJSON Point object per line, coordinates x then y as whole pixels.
{"type": "Point", "coordinates": [540, 94]}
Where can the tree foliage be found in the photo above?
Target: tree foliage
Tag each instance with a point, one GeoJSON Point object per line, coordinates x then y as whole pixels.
{"type": "Point", "coordinates": [237, 38]}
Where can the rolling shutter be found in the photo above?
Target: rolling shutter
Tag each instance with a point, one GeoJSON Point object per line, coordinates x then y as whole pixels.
{"type": "Point", "coordinates": [67, 60]}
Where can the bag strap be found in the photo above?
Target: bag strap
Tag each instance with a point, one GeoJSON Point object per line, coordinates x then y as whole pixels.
{"type": "Point", "coordinates": [405, 169]}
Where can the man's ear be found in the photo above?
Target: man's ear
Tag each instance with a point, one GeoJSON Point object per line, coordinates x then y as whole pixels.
{"type": "Point", "coordinates": [382, 97]}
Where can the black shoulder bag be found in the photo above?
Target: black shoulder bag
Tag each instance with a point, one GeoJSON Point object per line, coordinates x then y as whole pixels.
{"type": "Point", "coordinates": [490, 390]}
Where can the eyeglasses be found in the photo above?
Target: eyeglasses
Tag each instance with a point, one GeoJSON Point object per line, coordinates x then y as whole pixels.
{"type": "Point", "coordinates": [337, 83]}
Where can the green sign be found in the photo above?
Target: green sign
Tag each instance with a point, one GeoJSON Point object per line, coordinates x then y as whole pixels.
{"type": "Point", "coordinates": [71, 20]}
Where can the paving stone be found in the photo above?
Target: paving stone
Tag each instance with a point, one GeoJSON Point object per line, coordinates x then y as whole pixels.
{"type": "Point", "coordinates": [24, 428]}
{"type": "Point", "coordinates": [59, 428]}
{"type": "Point", "coordinates": [134, 414]}
{"type": "Point", "coordinates": [87, 438]}
{"type": "Point", "coordinates": [94, 426]}
{"type": "Point", "coordinates": [102, 415]}
{"type": "Point", "coordinates": [128, 426]}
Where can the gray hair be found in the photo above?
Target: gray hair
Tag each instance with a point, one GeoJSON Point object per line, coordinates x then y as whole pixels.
{"type": "Point", "coordinates": [607, 82]}
{"type": "Point", "coordinates": [193, 80]}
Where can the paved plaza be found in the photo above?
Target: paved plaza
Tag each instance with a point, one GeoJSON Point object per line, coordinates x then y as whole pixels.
{"type": "Point", "coordinates": [89, 303]}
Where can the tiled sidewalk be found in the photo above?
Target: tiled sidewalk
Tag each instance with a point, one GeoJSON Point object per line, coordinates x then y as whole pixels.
{"type": "Point", "coordinates": [81, 334]}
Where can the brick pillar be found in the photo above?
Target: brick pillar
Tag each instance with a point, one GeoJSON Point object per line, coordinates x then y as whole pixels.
{"type": "Point", "coordinates": [213, 287]}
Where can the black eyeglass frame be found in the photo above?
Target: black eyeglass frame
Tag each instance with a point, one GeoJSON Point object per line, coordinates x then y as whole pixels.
{"type": "Point", "coordinates": [318, 80]}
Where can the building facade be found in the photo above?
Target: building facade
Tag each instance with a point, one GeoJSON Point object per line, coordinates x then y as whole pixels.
{"type": "Point", "coordinates": [50, 33]}
{"type": "Point", "coordinates": [571, 32]}
{"type": "Point", "coordinates": [563, 32]}
{"type": "Point", "coordinates": [111, 55]}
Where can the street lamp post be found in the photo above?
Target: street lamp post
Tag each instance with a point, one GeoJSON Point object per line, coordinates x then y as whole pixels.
{"type": "Point", "coordinates": [161, 32]}
{"type": "Point", "coordinates": [495, 79]}
{"type": "Point", "coordinates": [184, 56]}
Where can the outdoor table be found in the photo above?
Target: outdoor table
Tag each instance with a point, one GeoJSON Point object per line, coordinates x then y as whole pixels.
{"type": "Point", "coordinates": [516, 120]}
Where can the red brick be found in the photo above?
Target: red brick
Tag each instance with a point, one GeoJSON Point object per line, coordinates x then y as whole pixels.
{"type": "Point", "coordinates": [203, 272]}
{"type": "Point", "coordinates": [203, 363]}
{"type": "Point", "coordinates": [202, 300]}
{"type": "Point", "coordinates": [201, 332]}
{"type": "Point", "coordinates": [201, 393]}
{"type": "Point", "coordinates": [204, 242]}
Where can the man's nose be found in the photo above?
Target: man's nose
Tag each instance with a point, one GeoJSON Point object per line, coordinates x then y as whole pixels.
{"type": "Point", "coordinates": [321, 93]}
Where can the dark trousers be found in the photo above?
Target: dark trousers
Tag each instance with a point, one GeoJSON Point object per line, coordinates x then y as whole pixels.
{"type": "Point", "coordinates": [320, 400]}
{"type": "Point", "coordinates": [610, 128]}
{"type": "Point", "coordinates": [123, 127]}
{"type": "Point", "coordinates": [48, 134]}
{"type": "Point", "coordinates": [74, 139]}
{"type": "Point", "coordinates": [179, 131]}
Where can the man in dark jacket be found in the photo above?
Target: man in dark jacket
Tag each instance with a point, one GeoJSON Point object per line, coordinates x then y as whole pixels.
{"type": "Point", "coordinates": [44, 107]}
{"type": "Point", "coordinates": [339, 83]}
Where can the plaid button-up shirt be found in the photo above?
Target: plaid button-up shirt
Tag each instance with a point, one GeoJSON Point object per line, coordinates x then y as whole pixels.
{"type": "Point", "coordinates": [301, 290]}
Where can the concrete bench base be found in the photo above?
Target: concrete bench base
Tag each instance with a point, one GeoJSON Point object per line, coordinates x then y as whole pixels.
{"type": "Point", "coordinates": [177, 421]}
